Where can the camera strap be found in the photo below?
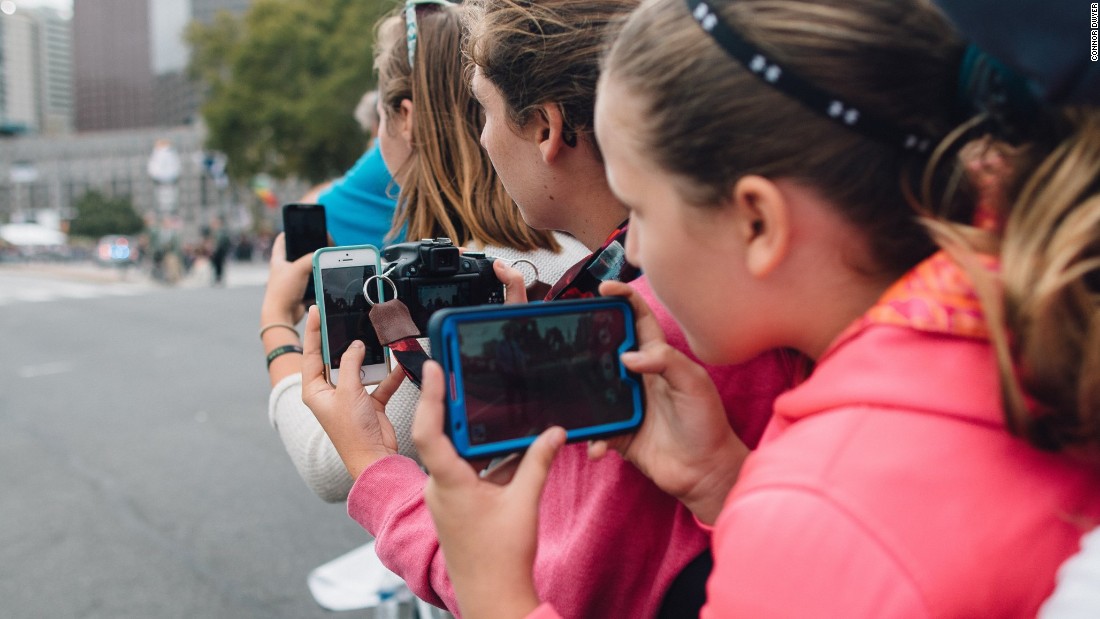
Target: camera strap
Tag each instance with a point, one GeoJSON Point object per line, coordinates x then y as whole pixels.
{"type": "Point", "coordinates": [395, 328]}
{"type": "Point", "coordinates": [538, 290]}
{"type": "Point", "coordinates": [607, 263]}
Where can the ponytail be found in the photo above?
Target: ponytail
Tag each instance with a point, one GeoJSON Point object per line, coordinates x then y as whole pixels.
{"type": "Point", "coordinates": [1044, 315]}
{"type": "Point", "coordinates": [1051, 274]}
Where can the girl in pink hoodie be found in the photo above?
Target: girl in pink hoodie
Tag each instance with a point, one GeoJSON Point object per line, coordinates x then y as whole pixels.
{"type": "Point", "coordinates": [941, 459]}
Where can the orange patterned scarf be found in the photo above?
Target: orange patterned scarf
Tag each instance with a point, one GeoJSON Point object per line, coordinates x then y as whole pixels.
{"type": "Point", "coordinates": [936, 296]}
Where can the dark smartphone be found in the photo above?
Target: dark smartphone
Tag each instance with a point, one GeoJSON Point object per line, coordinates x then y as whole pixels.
{"type": "Point", "coordinates": [514, 370]}
{"type": "Point", "coordinates": [304, 225]}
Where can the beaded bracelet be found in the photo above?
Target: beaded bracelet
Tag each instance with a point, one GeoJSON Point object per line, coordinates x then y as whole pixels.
{"type": "Point", "coordinates": [276, 325]}
{"type": "Point", "coordinates": [280, 351]}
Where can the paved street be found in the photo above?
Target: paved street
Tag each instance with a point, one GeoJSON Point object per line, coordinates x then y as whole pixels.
{"type": "Point", "coordinates": [139, 476]}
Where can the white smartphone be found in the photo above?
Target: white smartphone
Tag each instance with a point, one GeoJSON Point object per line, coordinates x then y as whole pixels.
{"type": "Point", "coordinates": [339, 274]}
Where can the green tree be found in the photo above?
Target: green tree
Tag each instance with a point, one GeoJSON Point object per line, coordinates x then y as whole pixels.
{"type": "Point", "coordinates": [97, 215]}
{"type": "Point", "coordinates": [282, 81]}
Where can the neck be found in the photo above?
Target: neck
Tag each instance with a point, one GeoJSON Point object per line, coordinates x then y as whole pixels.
{"type": "Point", "coordinates": [591, 210]}
{"type": "Point", "coordinates": [597, 212]}
{"type": "Point", "coordinates": [597, 226]}
{"type": "Point", "coordinates": [832, 319]}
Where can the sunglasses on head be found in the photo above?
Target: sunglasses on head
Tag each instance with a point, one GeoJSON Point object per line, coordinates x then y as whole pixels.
{"type": "Point", "coordinates": [410, 22]}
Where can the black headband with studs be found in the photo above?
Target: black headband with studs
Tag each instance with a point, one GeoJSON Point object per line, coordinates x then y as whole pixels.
{"type": "Point", "coordinates": [789, 83]}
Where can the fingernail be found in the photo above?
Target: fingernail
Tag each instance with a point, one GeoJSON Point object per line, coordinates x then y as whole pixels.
{"type": "Point", "coordinates": [557, 434]}
{"type": "Point", "coordinates": [356, 344]}
{"type": "Point", "coordinates": [628, 357]}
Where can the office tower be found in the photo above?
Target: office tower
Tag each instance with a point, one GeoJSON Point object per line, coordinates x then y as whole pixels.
{"type": "Point", "coordinates": [131, 61]}
{"type": "Point", "coordinates": [175, 99]}
{"type": "Point", "coordinates": [55, 54]}
{"type": "Point", "coordinates": [113, 64]}
{"type": "Point", "coordinates": [35, 69]}
{"type": "Point", "coordinates": [19, 99]}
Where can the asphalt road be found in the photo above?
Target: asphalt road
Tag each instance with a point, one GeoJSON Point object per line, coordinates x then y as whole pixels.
{"type": "Point", "coordinates": [139, 476]}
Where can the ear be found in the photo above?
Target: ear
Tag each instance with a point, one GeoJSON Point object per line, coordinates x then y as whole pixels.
{"type": "Point", "coordinates": [406, 119]}
{"type": "Point", "coordinates": [548, 126]}
{"type": "Point", "coordinates": [763, 221]}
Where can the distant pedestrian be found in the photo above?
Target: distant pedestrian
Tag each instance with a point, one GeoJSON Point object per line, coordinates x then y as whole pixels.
{"type": "Point", "coordinates": [218, 249]}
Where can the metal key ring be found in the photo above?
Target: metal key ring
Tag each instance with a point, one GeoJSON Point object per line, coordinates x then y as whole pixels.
{"type": "Point", "coordinates": [533, 266]}
{"type": "Point", "coordinates": [366, 287]}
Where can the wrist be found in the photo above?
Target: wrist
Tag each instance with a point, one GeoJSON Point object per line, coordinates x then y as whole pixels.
{"type": "Point", "coordinates": [268, 317]}
{"type": "Point", "coordinates": [707, 496]}
{"type": "Point", "coordinates": [276, 332]}
{"type": "Point", "coordinates": [498, 609]}
{"type": "Point", "coordinates": [512, 601]}
{"type": "Point", "coordinates": [363, 459]}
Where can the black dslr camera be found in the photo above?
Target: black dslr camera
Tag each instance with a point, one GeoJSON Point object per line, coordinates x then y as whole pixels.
{"type": "Point", "coordinates": [432, 274]}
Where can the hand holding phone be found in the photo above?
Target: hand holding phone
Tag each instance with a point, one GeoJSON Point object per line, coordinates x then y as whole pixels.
{"type": "Point", "coordinates": [489, 533]}
{"type": "Point", "coordinates": [353, 418]}
{"type": "Point", "coordinates": [340, 274]}
{"type": "Point", "coordinates": [512, 371]}
{"type": "Point", "coordinates": [305, 231]}
{"type": "Point", "coordinates": [686, 444]}
{"type": "Point", "coordinates": [283, 293]}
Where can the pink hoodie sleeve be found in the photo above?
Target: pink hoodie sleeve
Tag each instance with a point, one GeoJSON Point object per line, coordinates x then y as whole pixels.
{"type": "Point", "coordinates": [388, 501]}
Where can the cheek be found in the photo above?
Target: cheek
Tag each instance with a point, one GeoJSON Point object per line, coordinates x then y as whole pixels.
{"type": "Point", "coordinates": [395, 151]}
{"type": "Point", "coordinates": [691, 291]}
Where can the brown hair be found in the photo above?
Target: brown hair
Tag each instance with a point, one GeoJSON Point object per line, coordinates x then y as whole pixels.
{"type": "Point", "coordinates": [712, 122]}
{"type": "Point", "coordinates": [546, 51]}
{"type": "Point", "coordinates": [448, 185]}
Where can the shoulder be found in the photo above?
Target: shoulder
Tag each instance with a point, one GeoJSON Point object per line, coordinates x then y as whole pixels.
{"type": "Point", "coordinates": [551, 265]}
{"type": "Point", "coordinates": [788, 550]}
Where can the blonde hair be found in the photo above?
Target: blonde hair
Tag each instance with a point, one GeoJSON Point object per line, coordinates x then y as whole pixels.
{"type": "Point", "coordinates": [711, 121]}
{"type": "Point", "coordinates": [545, 52]}
{"type": "Point", "coordinates": [1045, 313]}
{"type": "Point", "coordinates": [448, 185]}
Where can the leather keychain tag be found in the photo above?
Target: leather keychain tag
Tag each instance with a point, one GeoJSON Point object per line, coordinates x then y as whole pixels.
{"type": "Point", "coordinates": [394, 326]}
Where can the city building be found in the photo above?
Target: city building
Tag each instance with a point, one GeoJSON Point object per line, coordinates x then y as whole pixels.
{"type": "Point", "coordinates": [112, 65]}
{"type": "Point", "coordinates": [131, 61]}
{"type": "Point", "coordinates": [55, 71]}
{"type": "Point", "coordinates": [35, 70]}
{"type": "Point", "coordinates": [19, 105]}
{"type": "Point", "coordinates": [42, 177]}
{"type": "Point", "coordinates": [115, 71]}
